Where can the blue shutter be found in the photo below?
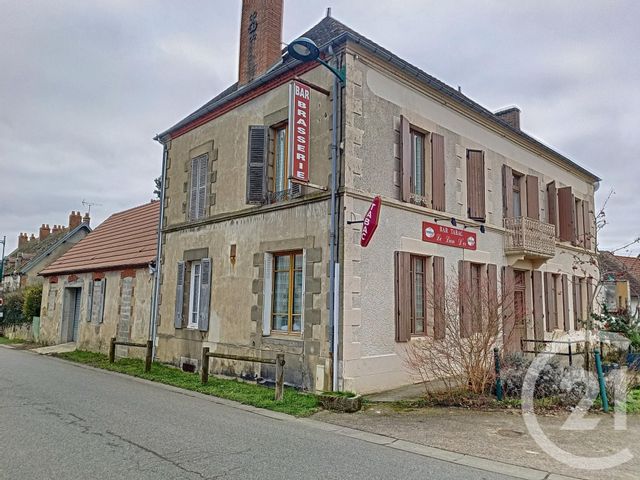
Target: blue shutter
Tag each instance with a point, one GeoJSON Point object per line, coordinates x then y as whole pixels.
{"type": "Point", "coordinates": [179, 295]}
{"type": "Point", "coordinates": [205, 294]}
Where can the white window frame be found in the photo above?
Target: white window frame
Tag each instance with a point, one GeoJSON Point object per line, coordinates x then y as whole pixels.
{"type": "Point", "coordinates": [194, 295]}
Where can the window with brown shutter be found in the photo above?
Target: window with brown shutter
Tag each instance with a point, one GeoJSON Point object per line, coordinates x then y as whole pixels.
{"type": "Point", "coordinates": [509, 335]}
{"type": "Point", "coordinates": [438, 173]}
{"type": "Point", "coordinates": [565, 303]}
{"type": "Point", "coordinates": [507, 191]}
{"type": "Point", "coordinates": [464, 287]}
{"type": "Point", "coordinates": [475, 185]}
{"type": "Point", "coordinates": [566, 214]}
{"type": "Point", "coordinates": [538, 311]}
{"type": "Point", "coordinates": [589, 225]}
{"type": "Point", "coordinates": [533, 197]}
{"type": "Point", "coordinates": [422, 169]}
{"type": "Point", "coordinates": [551, 301]}
{"type": "Point", "coordinates": [403, 296]}
{"type": "Point", "coordinates": [552, 205]}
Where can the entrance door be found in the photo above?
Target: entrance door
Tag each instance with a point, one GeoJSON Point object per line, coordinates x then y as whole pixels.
{"type": "Point", "coordinates": [71, 314]}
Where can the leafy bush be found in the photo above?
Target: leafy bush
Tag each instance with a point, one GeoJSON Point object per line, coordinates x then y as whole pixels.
{"type": "Point", "coordinates": [13, 303]}
{"type": "Point", "coordinates": [32, 301]}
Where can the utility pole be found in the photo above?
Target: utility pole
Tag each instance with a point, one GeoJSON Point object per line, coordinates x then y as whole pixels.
{"type": "Point", "coordinates": [4, 241]}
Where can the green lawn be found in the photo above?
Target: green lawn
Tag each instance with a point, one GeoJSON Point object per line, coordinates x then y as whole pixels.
{"type": "Point", "coordinates": [294, 403]}
{"type": "Point", "coordinates": [9, 341]}
{"type": "Point", "coordinates": [633, 401]}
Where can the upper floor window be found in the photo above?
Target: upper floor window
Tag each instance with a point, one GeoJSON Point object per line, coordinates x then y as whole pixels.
{"type": "Point", "coordinates": [422, 166]}
{"type": "Point", "coordinates": [280, 159]}
{"type": "Point", "coordinates": [198, 190]}
{"type": "Point", "coordinates": [417, 164]}
{"type": "Point", "coordinates": [517, 196]}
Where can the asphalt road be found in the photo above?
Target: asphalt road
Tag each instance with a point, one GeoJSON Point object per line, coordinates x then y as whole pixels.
{"type": "Point", "coordinates": [62, 421]}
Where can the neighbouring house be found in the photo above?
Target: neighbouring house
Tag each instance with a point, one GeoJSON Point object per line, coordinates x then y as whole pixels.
{"type": "Point", "coordinates": [621, 283]}
{"type": "Point", "coordinates": [102, 287]}
{"type": "Point", "coordinates": [463, 190]}
{"type": "Point", "coordinates": [33, 254]}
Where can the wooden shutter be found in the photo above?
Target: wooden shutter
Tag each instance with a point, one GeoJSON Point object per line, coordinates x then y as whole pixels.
{"type": "Point", "coordinates": [538, 309]}
{"type": "Point", "coordinates": [492, 294]}
{"type": "Point", "coordinates": [405, 161]}
{"type": "Point", "coordinates": [438, 192]}
{"type": "Point", "coordinates": [566, 214]}
{"type": "Point", "coordinates": [193, 197]}
{"type": "Point", "coordinates": [579, 222]}
{"type": "Point", "coordinates": [589, 220]}
{"type": "Point", "coordinates": [257, 164]}
{"type": "Point", "coordinates": [533, 197]}
{"type": "Point", "coordinates": [179, 294]}
{"type": "Point", "coordinates": [267, 294]}
{"type": "Point", "coordinates": [507, 191]}
{"type": "Point", "coordinates": [98, 301]}
{"type": "Point", "coordinates": [565, 303]}
{"type": "Point", "coordinates": [590, 296]}
{"type": "Point", "coordinates": [509, 339]}
{"type": "Point", "coordinates": [464, 289]}
{"type": "Point", "coordinates": [475, 185]}
{"type": "Point", "coordinates": [202, 184]}
{"type": "Point", "coordinates": [90, 301]}
{"type": "Point", "coordinates": [550, 301]}
{"type": "Point", "coordinates": [205, 294]}
{"type": "Point", "coordinates": [575, 290]}
{"type": "Point", "coordinates": [552, 205]}
{"type": "Point", "coordinates": [403, 296]}
{"type": "Point", "coordinates": [439, 319]}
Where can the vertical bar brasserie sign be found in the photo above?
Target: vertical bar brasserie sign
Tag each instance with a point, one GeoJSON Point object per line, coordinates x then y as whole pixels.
{"type": "Point", "coordinates": [299, 102]}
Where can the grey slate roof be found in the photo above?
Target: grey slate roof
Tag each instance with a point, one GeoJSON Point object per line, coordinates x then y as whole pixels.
{"type": "Point", "coordinates": [331, 31]}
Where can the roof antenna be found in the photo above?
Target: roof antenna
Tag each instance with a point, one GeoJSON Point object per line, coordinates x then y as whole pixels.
{"type": "Point", "coordinates": [90, 204]}
{"type": "Point", "coordinates": [328, 11]}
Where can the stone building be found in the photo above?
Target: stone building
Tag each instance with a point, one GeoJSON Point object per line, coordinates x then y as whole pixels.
{"type": "Point", "coordinates": [33, 254]}
{"type": "Point", "coordinates": [102, 287]}
{"type": "Point", "coordinates": [245, 249]}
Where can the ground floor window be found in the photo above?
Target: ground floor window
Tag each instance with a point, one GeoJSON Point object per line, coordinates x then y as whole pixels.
{"type": "Point", "coordinates": [418, 294]}
{"type": "Point", "coordinates": [194, 295]}
{"type": "Point", "coordinates": [286, 311]}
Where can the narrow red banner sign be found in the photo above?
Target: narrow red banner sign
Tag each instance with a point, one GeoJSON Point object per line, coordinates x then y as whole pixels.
{"type": "Point", "coordinates": [299, 122]}
{"type": "Point", "coordinates": [370, 222]}
{"type": "Point", "coordinates": [451, 236]}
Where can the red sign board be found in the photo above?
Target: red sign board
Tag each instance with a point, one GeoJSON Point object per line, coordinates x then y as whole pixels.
{"type": "Point", "coordinates": [370, 222]}
{"type": "Point", "coordinates": [299, 123]}
{"type": "Point", "coordinates": [446, 235]}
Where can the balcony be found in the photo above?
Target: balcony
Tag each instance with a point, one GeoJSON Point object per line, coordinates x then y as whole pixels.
{"type": "Point", "coordinates": [529, 238]}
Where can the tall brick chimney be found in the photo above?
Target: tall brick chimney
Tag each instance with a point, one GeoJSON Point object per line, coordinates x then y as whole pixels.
{"type": "Point", "coordinates": [511, 116]}
{"type": "Point", "coordinates": [260, 37]}
{"type": "Point", "coordinates": [23, 239]}
{"type": "Point", "coordinates": [75, 219]}
{"type": "Point", "coordinates": [44, 232]}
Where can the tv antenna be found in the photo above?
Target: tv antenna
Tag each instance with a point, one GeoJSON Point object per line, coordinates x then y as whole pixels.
{"type": "Point", "coordinates": [87, 204]}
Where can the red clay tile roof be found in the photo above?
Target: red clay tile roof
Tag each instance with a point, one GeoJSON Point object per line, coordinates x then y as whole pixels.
{"type": "Point", "coordinates": [125, 239]}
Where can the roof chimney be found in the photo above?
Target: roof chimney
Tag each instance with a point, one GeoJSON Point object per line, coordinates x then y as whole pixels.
{"type": "Point", "coordinates": [511, 116]}
{"type": "Point", "coordinates": [86, 219]}
{"type": "Point", "coordinates": [260, 37]}
{"type": "Point", "coordinates": [32, 238]}
{"type": "Point", "coordinates": [75, 219]}
{"type": "Point", "coordinates": [44, 232]}
{"type": "Point", "coordinates": [22, 240]}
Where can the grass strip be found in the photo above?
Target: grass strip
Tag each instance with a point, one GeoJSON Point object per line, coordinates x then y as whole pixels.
{"type": "Point", "coordinates": [294, 402]}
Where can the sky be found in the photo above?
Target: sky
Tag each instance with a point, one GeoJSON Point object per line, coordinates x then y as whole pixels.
{"type": "Point", "coordinates": [85, 86]}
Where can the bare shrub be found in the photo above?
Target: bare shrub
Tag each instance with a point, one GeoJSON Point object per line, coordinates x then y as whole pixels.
{"type": "Point", "coordinates": [474, 318]}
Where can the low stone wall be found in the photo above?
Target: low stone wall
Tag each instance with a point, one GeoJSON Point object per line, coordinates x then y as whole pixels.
{"type": "Point", "coordinates": [22, 331]}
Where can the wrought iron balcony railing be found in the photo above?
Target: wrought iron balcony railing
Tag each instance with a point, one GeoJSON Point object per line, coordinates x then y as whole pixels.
{"type": "Point", "coordinates": [529, 237]}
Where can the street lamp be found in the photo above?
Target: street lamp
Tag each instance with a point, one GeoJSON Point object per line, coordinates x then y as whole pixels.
{"type": "Point", "coordinates": [4, 242]}
{"type": "Point", "coordinates": [305, 50]}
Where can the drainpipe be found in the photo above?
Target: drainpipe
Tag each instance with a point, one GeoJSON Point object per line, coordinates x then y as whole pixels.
{"type": "Point", "coordinates": [333, 237]}
{"type": "Point", "coordinates": [153, 323]}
